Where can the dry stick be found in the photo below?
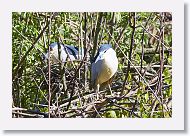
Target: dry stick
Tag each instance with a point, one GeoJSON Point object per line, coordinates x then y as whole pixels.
{"type": "Point", "coordinates": [130, 52]}
{"type": "Point", "coordinates": [112, 23]}
{"type": "Point", "coordinates": [142, 56]}
{"type": "Point", "coordinates": [161, 59]}
{"type": "Point", "coordinates": [98, 105]}
{"type": "Point", "coordinates": [124, 108]}
{"type": "Point", "coordinates": [44, 36]}
{"type": "Point", "coordinates": [157, 38]}
{"type": "Point", "coordinates": [57, 104]}
{"type": "Point", "coordinates": [33, 45]}
{"type": "Point", "coordinates": [98, 28]}
{"type": "Point", "coordinates": [142, 45]}
{"type": "Point", "coordinates": [85, 48]}
{"type": "Point", "coordinates": [161, 42]}
{"type": "Point", "coordinates": [68, 56]}
{"type": "Point", "coordinates": [22, 34]}
{"type": "Point", "coordinates": [137, 72]}
{"type": "Point", "coordinates": [96, 110]}
{"type": "Point", "coordinates": [37, 92]}
{"type": "Point", "coordinates": [74, 78]}
{"type": "Point", "coordinates": [153, 106]}
{"type": "Point", "coordinates": [25, 115]}
{"type": "Point", "coordinates": [49, 70]}
{"type": "Point", "coordinates": [102, 31]}
{"type": "Point", "coordinates": [142, 78]}
{"type": "Point", "coordinates": [152, 66]}
{"type": "Point", "coordinates": [80, 45]}
{"type": "Point", "coordinates": [120, 35]}
{"type": "Point", "coordinates": [27, 110]}
{"type": "Point", "coordinates": [75, 98]}
{"type": "Point", "coordinates": [62, 68]}
{"type": "Point", "coordinates": [133, 108]}
{"type": "Point", "coordinates": [41, 24]}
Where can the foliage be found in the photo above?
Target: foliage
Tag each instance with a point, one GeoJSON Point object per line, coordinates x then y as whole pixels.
{"type": "Point", "coordinates": [142, 87]}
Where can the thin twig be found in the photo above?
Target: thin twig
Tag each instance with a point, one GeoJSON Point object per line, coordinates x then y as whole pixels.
{"type": "Point", "coordinates": [33, 45]}
{"type": "Point", "coordinates": [130, 51]}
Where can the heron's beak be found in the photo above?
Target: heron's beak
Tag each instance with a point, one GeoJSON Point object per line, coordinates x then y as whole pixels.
{"type": "Point", "coordinates": [100, 56]}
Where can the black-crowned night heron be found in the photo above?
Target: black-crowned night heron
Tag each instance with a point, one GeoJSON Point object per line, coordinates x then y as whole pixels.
{"type": "Point", "coordinates": [66, 51]}
{"type": "Point", "coordinates": [104, 67]}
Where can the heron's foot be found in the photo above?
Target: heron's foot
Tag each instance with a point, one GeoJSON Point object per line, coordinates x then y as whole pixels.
{"type": "Point", "coordinates": [97, 96]}
{"type": "Point", "coordinates": [111, 93]}
{"type": "Point", "coordinates": [97, 91]}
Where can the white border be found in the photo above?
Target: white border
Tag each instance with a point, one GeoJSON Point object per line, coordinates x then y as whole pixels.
{"type": "Point", "coordinates": [174, 123]}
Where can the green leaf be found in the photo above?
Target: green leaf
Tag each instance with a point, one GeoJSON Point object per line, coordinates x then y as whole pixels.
{"type": "Point", "coordinates": [112, 114]}
{"type": "Point", "coordinates": [146, 96]}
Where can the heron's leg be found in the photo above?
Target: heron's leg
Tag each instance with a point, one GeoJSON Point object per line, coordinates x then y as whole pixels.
{"type": "Point", "coordinates": [110, 89]}
{"type": "Point", "coordinates": [97, 91]}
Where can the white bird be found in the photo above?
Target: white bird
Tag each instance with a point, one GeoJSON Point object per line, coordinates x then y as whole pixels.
{"type": "Point", "coordinates": [104, 67]}
{"type": "Point", "coordinates": [66, 51]}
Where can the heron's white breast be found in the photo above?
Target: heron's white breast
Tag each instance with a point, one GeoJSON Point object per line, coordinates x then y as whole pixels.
{"type": "Point", "coordinates": [109, 65]}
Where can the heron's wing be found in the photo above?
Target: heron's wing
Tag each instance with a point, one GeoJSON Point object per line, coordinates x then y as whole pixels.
{"type": "Point", "coordinates": [72, 50]}
{"type": "Point", "coordinates": [96, 67]}
{"type": "Point", "coordinates": [96, 70]}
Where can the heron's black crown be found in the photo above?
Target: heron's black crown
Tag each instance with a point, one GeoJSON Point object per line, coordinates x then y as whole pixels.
{"type": "Point", "coordinates": [104, 47]}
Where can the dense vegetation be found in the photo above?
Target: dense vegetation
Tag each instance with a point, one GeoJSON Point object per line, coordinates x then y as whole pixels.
{"type": "Point", "coordinates": [142, 87]}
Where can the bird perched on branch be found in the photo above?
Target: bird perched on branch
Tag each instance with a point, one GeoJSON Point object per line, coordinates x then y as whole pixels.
{"type": "Point", "coordinates": [66, 51]}
{"type": "Point", "coordinates": [104, 67]}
